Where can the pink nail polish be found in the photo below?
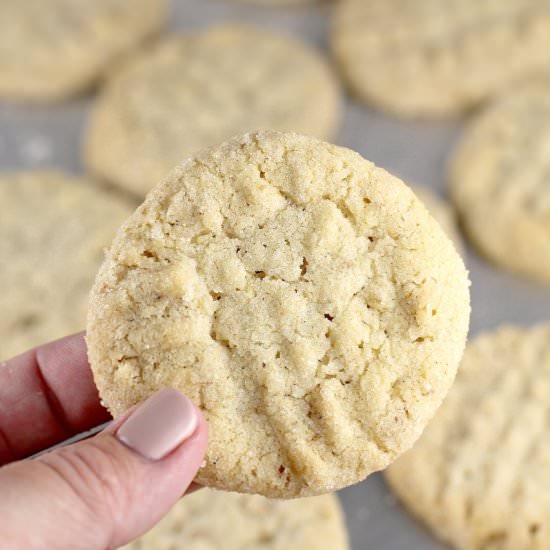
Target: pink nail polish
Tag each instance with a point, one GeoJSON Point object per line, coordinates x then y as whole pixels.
{"type": "Point", "coordinates": [159, 425]}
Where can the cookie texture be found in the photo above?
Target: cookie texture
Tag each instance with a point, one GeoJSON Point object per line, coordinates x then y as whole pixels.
{"type": "Point", "coordinates": [200, 89]}
{"type": "Point", "coordinates": [53, 229]}
{"type": "Point", "coordinates": [479, 474]}
{"type": "Point", "coordinates": [51, 49]}
{"type": "Point", "coordinates": [210, 520]}
{"type": "Point", "coordinates": [435, 57]}
{"type": "Point", "coordinates": [500, 181]}
{"type": "Point", "coordinates": [302, 297]}
{"type": "Point", "coordinates": [443, 213]}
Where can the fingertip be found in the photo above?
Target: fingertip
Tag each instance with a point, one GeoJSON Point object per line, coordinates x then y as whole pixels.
{"type": "Point", "coordinates": [159, 424]}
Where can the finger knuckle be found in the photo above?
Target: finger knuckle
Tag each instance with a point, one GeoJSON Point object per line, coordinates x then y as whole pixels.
{"type": "Point", "coordinates": [100, 478]}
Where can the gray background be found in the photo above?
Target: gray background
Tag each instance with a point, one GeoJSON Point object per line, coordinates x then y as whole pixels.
{"type": "Point", "coordinates": [415, 151]}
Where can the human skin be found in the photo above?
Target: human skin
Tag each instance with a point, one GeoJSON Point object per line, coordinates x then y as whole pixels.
{"type": "Point", "coordinates": [99, 493]}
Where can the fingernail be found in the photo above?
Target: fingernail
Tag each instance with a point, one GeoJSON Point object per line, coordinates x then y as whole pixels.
{"type": "Point", "coordinates": [159, 425]}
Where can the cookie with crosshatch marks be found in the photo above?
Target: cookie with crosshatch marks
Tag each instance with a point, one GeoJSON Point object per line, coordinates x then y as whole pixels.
{"type": "Point", "coordinates": [479, 474]}
{"type": "Point", "coordinates": [303, 298]}
{"type": "Point", "coordinates": [214, 520]}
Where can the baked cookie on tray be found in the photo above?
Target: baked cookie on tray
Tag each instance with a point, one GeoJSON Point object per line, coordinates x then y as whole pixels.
{"type": "Point", "coordinates": [479, 474]}
{"type": "Point", "coordinates": [214, 520]}
{"type": "Point", "coordinates": [52, 49]}
{"type": "Point", "coordinates": [304, 299]}
{"type": "Point", "coordinates": [199, 89]}
{"type": "Point", "coordinates": [438, 57]}
{"type": "Point", "coordinates": [53, 229]}
{"type": "Point", "coordinates": [500, 180]}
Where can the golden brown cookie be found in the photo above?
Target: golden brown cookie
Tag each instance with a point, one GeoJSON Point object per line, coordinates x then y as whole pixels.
{"type": "Point", "coordinates": [200, 89]}
{"type": "Point", "coordinates": [479, 474]}
{"type": "Point", "coordinates": [302, 297]}
{"type": "Point", "coordinates": [53, 229]}
{"type": "Point", "coordinates": [438, 57]}
{"type": "Point", "coordinates": [51, 49]}
{"type": "Point", "coordinates": [214, 520]}
{"type": "Point", "coordinates": [500, 180]}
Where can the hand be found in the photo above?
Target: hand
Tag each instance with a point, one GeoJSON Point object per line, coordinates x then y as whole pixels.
{"type": "Point", "coordinates": [99, 493]}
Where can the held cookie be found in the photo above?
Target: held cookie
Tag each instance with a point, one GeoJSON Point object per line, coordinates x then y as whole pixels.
{"type": "Point", "coordinates": [438, 57]}
{"type": "Point", "coordinates": [500, 181]}
{"type": "Point", "coordinates": [479, 474]}
{"type": "Point", "coordinates": [51, 49]}
{"type": "Point", "coordinates": [443, 213]}
{"type": "Point", "coordinates": [214, 520]}
{"type": "Point", "coordinates": [53, 228]}
{"type": "Point", "coordinates": [302, 297]}
{"type": "Point", "coordinates": [200, 89]}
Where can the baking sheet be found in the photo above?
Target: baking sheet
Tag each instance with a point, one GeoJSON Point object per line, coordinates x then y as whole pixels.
{"type": "Point", "coordinates": [32, 137]}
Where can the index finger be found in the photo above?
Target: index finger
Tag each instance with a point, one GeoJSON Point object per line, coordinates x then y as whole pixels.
{"type": "Point", "coordinates": [46, 396]}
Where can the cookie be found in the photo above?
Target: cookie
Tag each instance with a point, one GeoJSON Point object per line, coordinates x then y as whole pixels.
{"type": "Point", "coordinates": [500, 181]}
{"type": "Point", "coordinates": [200, 89]}
{"type": "Point", "coordinates": [438, 58]}
{"type": "Point", "coordinates": [210, 520]}
{"type": "Point", "coordinates": [52, 49]}
{"type": "Point", "coordinates": [443, 213]}
{"type": "Point", "coordinates": [479, 474]}
{"type": "Point", "coordinates": [303, 298]}
{"type": "Point", "coordinates": [53, 229]}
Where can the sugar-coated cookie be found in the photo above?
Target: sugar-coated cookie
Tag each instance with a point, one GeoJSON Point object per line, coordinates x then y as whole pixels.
{"type": "Point", "coordinates": [479, 474]}
{"type": "Point", "coordinates": [438, 57]}
{"type": "Point", "coordinates": [199, 89]}
{"type": "Point", "coordinates": [52, 49]}
{"type": "Point", "coordinates": [304, 299]}
{"type": "Point", "coordinates": [53, 229]}
{"type": "Point", "coordinates": [500, 180]}
{"type": "Point", "coordinates": [215, 520]}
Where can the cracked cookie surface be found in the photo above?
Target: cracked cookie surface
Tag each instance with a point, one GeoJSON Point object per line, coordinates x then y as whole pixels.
{"type": "Point", "coordinates": [439, 57]}
{"type": "Point", "coordinates": [302, 297]}
{"type": "Point", "coordinates": [50, 49]}
{"type": "Point", "coordinates": [210, 520]}
{"type": "Point", "coordinates": [479, 475]}
{"type": "Point", "coordinates": [202, 88]}
{"type": "Point", "coordinates": [500, 180]}
{"type": "Point", "coordinates": [53, 230]}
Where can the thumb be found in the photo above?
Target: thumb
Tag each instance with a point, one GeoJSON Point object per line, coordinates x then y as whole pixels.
{"type": "Point", "coordinates": [103, 492]}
